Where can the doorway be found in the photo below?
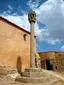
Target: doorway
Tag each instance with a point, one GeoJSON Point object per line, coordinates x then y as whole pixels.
{"type": "Point", "coordinates": [48, 66]}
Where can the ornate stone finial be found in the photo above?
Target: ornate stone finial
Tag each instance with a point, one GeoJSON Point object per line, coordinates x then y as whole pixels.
{"type": "Point", "coordinates": [32, 16]}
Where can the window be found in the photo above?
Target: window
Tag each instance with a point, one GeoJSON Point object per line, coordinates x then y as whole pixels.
{"type": "Point", "coordinates": [24, 37]}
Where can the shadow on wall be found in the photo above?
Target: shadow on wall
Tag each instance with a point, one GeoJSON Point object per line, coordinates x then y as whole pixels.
{"type": "Point", "coordinates": [19, 64]}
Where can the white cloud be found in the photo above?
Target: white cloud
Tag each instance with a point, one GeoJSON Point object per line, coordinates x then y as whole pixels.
{"type": "Point", "coordinates": [9, 11]}
{"type": "Point", "coordinates": [33, 4]}
{"type": "Point", "coordinates": [10, 7]}
{"type": "Point", "coordinates": [42, 34]}
{"type": "Point", "coordinates": [51, 13]}
{"type": "Point", "coordinates": [21, 21]}
{"type": "Point", "coordinates": [62, 48]}
{"type": "Point", "coordinates": [53, 41]}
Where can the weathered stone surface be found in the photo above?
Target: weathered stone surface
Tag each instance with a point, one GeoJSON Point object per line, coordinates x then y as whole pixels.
{"type": "Point", "coordinates": [7, 70]}
{"type": "Point", "coordinates": [32, 16]}
{"type": "Point", "coordinates": [32, 19]}
{"type": "Point", "coordinates": [30, 80]}
{"type": "Point", "coordinates": [32, 72]}
{"type": "Point", "coordinates": [46, 77]}
{"type": "Point", "coordinates": [59, 62]}
{"type": "Point", "coordinates": [37, 61]}
{"type": "Point", "coordinates": [56, 60]}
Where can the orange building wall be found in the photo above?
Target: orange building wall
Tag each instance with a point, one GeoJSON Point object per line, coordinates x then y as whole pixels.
{"type": "Point", "coordinates": [14, 51]}
{"type": "Point", "coordinates": [46, 55]}
{"type": "Point", "coordinates": [56, 60]}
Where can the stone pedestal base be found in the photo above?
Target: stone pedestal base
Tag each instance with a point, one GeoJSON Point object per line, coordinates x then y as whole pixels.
{"type": "Point", "coordinates": [31, 79]}
{"type": "Point", "coordinates": [32, 72]}
{"type": "Point", "coordinates": [31, 75]}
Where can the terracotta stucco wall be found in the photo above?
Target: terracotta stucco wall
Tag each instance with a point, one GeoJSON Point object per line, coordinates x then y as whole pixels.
{"type": "Point", "coordinates": [14, 50]}
{"type": "Point", "coordinates": [47, 56]}
{"type": "Point", "coordinates": [50, 55]}
{"type": "Point", "coordinates": [42, 55]}
{"type": "Point", "coordinates": [56, 60]}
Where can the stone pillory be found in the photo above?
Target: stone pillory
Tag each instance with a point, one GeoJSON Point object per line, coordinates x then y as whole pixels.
{"type": "Point", "coordinates": [32, 74]}
{"type": "Point", "coordinates": [32, 20]}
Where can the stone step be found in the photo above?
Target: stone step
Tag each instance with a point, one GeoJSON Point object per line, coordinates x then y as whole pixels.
{"type": "Point", "coordinates": [45, 77]}
{"type": "Point", "coordinates": [36, 79]}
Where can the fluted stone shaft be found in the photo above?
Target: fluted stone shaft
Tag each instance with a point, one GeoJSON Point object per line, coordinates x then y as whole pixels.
{"type": "Point", "coordinates": [32, 19]}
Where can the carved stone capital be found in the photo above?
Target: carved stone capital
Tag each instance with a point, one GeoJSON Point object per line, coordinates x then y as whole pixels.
{"type": "Point", "coordinates": [32, 16]}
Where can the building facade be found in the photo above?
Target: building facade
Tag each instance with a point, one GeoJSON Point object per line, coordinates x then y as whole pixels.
{"type": "Point", "coordinates": [52, 61]}
{"type": "Point", "coordinates": [14, 45]}
{"type": "Point", "coordinates": [15, 49]}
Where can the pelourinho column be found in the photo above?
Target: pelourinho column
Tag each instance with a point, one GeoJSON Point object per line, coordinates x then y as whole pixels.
{"type": "Point", "coordinates": [32, 74]}
{"type": "Point", "coordinates": [32, 20]}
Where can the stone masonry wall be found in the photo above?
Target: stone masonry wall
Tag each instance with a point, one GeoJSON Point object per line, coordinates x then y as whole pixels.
{"type": "Point", "coordinates": [59, 62]}
{"type": "Point", "coordinates": [45, 56]}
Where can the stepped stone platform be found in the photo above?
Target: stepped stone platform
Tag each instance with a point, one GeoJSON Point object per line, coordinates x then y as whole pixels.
{"type": "Point", "coordinates": [30, 79]}
{"type": "Point", "coordinates": [35, 75]}
{"type": "Point", "coordinates": [48, 78]}
{"type": "Point", "coordinates": [31, 75]}
{"type": "Point", "coordinates": [32, 72]}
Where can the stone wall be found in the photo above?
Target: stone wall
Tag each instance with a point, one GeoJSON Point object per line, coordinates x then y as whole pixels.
{"type": "Point", "coordinates": [4, 70]}
{"type": "Point", "coordinates": [56, 60]}
{"type": "Point", "coordinates": [47, 56]}
{"type": "Point", "coordinates": [14, 49]}
{"type": "Point", "coordinates": [59, 62]}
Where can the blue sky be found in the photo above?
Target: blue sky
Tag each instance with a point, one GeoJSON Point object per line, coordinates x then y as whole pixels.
{"type": "Point", "coordinates": [49, 27]}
